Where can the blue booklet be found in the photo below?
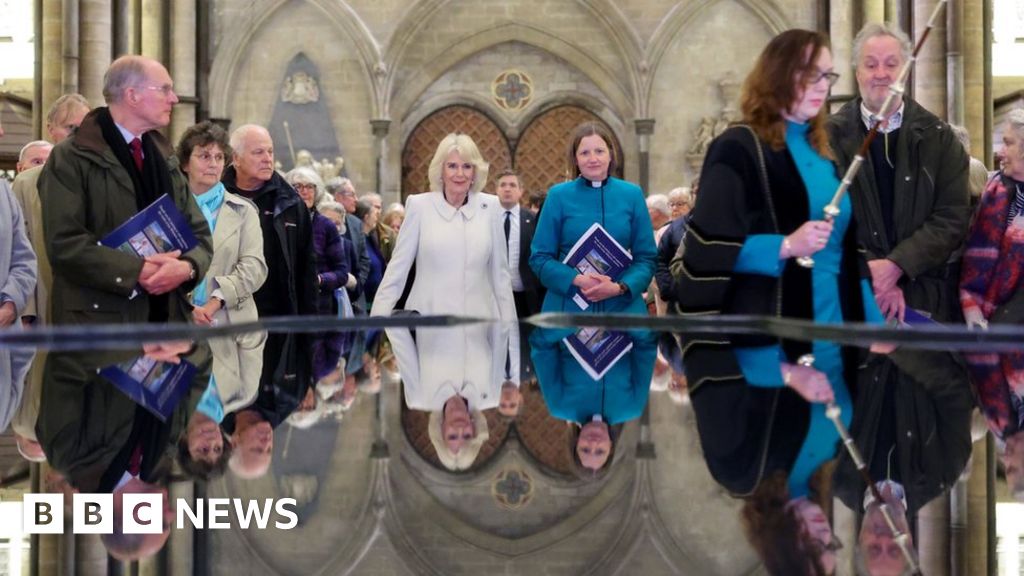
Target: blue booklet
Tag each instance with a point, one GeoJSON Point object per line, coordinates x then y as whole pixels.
{"type": "Point", "coordinates": [158, 228]}
{"type": "Point", "coordinates": [154, 385]}
{"type": "Point", "coordinates": [596, 252]}
{"type": "Point", "coordinates": [598, 349]}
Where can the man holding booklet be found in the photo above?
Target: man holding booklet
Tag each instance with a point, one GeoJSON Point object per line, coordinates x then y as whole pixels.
{"type": "Point", "coordinates": [112, 168]}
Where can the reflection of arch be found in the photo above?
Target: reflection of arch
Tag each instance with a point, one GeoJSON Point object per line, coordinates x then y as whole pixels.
{"type": "Point", "coordinates": [419, 148]}
{"type": "Point", "coordinates": [235, 47]}
{"type": "Point", "coordinates": [540, 156]}
{"type": "Point", "coordinates": [684, 13]}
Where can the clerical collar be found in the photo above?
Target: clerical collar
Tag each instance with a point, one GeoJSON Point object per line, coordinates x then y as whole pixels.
{"type": "Point", "coordinates": [597, 418]}
{"type": "Point", "coordinates": [893, 123]}
{"type": "Point", "coordinates": [594, 183]}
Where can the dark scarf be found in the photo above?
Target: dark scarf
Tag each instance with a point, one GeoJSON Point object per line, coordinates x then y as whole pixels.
{"type": "Point", "coordinates": [154, 181]}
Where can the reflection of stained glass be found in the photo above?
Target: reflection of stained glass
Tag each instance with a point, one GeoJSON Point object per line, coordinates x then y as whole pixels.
{"type": "Point", "coordinates": [513, 489]}
{"type": "Point", "coordinates": [512, 90]}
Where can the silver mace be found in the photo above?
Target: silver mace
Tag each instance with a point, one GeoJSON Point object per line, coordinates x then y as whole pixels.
{"type": "Point", "coordinates": [834, 413]}
{"type": "Point", "coordinates": [896, 89]}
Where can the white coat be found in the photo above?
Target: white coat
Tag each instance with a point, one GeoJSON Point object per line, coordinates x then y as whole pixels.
{"type": "Point", "coordinates": [461, 265]}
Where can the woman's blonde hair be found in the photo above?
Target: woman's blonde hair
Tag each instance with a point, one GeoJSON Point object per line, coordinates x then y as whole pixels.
{"type": "Point", "coordinates": [469, 451]}
{"type": "Point", "coordinates": [464, 145]}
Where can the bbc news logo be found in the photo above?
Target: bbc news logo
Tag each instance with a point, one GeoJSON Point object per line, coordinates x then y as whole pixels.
{"type": "Point", "coordinates": [144, 513]}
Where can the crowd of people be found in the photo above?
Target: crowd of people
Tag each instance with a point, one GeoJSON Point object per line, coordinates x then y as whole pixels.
{"type": "Point", "coordinates": [905, 245]}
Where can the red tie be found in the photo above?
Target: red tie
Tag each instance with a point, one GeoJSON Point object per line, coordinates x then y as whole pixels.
{"type": "Point", "coordinates": [135, 463]}
{"type": "Point", "coordinates": [136, 147]}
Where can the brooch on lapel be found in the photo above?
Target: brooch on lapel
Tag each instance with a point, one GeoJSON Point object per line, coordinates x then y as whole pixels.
{"type": "Point", "coordinates": [483, 206]}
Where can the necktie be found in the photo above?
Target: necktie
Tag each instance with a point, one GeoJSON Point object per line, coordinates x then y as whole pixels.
{"type": "Point", "coordinates": [135, 463]}
{"type": "Point", "coordinates": [508, 228]}
{"type": "Point", "coordinates": [136, 148]}
{"type": "Point", "coordinates": [508, 365]}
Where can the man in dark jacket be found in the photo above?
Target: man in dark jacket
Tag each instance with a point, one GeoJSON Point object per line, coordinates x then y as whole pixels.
{"type": "Point", "coordinates": [291, 286]}
{"type": "Point", "coordinates": [116, 164]}
{"type": "Point", "coordinates": [911, 198]}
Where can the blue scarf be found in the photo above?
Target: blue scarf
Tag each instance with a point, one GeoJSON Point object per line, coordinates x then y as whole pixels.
{"type": "Point", "coordinates": [210, 203]}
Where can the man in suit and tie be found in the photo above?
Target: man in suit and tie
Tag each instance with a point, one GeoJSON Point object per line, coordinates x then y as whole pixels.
{"type": "Point", "coordinates": [519, 225]}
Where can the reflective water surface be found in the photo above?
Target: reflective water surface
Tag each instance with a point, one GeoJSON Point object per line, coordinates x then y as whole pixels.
{"type": "Point", "coordinates": [452, 446]}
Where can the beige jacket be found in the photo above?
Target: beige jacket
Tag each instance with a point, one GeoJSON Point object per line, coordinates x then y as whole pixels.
{"type": "Point", "coordinates": [238, 268]}
{"type": "Point", "coordinates": [25, 188]}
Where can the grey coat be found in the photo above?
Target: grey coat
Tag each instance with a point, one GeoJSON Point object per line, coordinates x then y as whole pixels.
{"type": "Point", "coordinates": [931, 209]}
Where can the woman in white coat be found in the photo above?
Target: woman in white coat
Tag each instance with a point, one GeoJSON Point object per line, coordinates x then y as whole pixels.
{"type": "Point", "coordinates": [237, 270]}
{"type": "Point", "coordinates": [455, 238]}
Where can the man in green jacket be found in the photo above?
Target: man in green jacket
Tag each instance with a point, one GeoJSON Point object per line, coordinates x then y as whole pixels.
{"type": "Point", "coordinates": [910, 198]}
{"type": "Point", "coordinates": [116, 164]}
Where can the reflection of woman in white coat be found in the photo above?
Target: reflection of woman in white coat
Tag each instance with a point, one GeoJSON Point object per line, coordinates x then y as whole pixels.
{"type": "Point", "coordinates": [455, 238]}
{"type": "Point", "coordinates": [454, 373]}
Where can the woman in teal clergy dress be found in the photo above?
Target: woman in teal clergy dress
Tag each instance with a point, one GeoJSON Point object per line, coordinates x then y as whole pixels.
{"type": "Point", "coordinates": [768, 183]}
{"type": "Point", "coordinates": [571, 209]}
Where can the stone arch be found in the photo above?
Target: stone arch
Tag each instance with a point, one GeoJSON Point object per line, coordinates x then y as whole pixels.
{"type": "Point", "coordinates": [236, 45]}
{"type": "Point", "coordinates": [683, 14]}
{"type": "Point", "coordinates": [618, 93]}
{"type": "Point", "coordinates": [628, 45]}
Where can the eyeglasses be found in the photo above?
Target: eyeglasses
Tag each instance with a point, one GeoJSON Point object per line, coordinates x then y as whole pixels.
{"type": "Point", "coordinates": [304, 186]}
{"type": "Point", "coordinates": [207, 157]}
{"type": "Point", "coordinates": [167, 89]}
{"type": "Point", "coordinates": [812, 79]}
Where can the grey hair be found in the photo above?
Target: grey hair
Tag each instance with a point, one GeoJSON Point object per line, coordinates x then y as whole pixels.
{"type": "Point", "coordinates": [238, 136]}
{"type": "Point", "coordinates": [683, 194]}
{"type": "Point", "coordinates": [1015, 122]}
{"type": "Point", "coordinates": [304, 175]}
{"type": "Point", "coordinates": [334, 185]}
{"type": "Point", "coordinates": [659, 202]}
{"type": "Point", "coordinates": [876, 29]}
{"type": "Point", "coordinates": [330, 206]}
{"type": "Point", "coordinates": [371, 196]}
{"type": "Point", "coordinates": [126, 71]}
{"type": "Point", "coordinates": [63, 105]}
{"type": "Point", "coordinates": [31, 145]}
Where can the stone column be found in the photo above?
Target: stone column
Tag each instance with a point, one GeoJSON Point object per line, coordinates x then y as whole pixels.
{"type": "Point", "coordinates": [977, 512]}
{"type": "Point", "coordinates": [842, 28]}
{"type": "Point", "coordinates": [930, 70]}
{"type": "Point", "coordinates": [95, 48]}
{"type": "Point", "coordinates": [644, 129]}
{"type": "Point", "coordinates": [381, 127]}
{"type": "Point", "coordinates": [955, 62]}
{"type": "Point", "coordinates": [69, 42]}
{"type": "Point", "coordinates": [90, 555]}
{"type": "Point", "coordinates": [152, 29]}
{"type": "Point", "coordinates": [974, 77]}
{"type": "Point", "coordinates": [958, 528]}
{"type": "Point", "coordinates": [182, 66]}
{"type": "Point", "coordinates": [872, 10]}
{"type": "Point", "coordinates": [122, 26]}
{"type": "Point", "coordinates": [179, 544]}
{"type": "Point", "coordinates": [933, 537]}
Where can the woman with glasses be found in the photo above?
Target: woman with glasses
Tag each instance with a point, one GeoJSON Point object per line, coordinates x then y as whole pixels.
{"type": "Point", "coordinates": [332, 252]}
{"type": "Point", "coordinates": [237, 270]}
{"type": "Point", "coordinates": [771, 179]}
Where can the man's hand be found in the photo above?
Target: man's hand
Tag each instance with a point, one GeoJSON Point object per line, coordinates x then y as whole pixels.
{"type": "Point", "coordinates": [8, 314]}
{"type": "Point", "coordinates": [892, 304]}
{"type": "Point", "coordinates": [884, 274]}
{"type": "Point", "coordinates": [166, 351]}
{"type": "Point", "coordinates": [170, 274]}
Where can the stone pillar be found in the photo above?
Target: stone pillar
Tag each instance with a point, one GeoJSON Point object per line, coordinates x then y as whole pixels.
{"type": "Point", "coordinates": [974, 77]}
{"type": "Point", "coordinates": [930, 70]}
{"type": "Point", "coordinates": [90, 555]}
{"type": "Point", "coordinates": [955, 62]}
{"type": "Point", "coordinates": [381, 127]}
{"type": "Point", "coordinates": [844, 525]}
{"type": "Point", "coordinates": [842, 28]}
{"type": "Point", "coordinates": [933, 537]}
{"type": "Point", "coordinates": [977, 512]}
{"type": "Point", "coordinates": [958, 528]}
{"type": "Point", "coordinates": [95, 48]}
{"type": "Point", "coordinates": [69, 42]}
{"type": "Point", "coordinates": [121, 30]}
{"type": "Point", "coordinates": [179, 544]}
{"type": "Point", "coordinates": [182, 66]}
{"type": "Point", "coordinates": [644, 129]}
{"type": "Point", "coordinates": [152, 29]}
{"type": "Point", "coordinates": [872, 10]}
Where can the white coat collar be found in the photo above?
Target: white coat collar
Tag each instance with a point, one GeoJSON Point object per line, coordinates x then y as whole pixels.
{"type": "Point", "coordinates": [475, 202]}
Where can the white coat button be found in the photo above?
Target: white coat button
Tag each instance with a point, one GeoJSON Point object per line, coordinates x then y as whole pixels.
{"type": "Point", "coordinates": [95, 306]}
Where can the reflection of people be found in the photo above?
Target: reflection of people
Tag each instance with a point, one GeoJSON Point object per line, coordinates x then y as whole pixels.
{"type": "Point", "coordinates": [454, 237]}
{"type": "Point", "coordinates": [455, 374]}
{"type": "Point", "coordinates": [737, 258]}
{"type": "Point", "coordinates": [571, 209]}
{"type": "Point", "coordinates": [877, 552]}
{"type": "Point", "coordinates": [594, 408]}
